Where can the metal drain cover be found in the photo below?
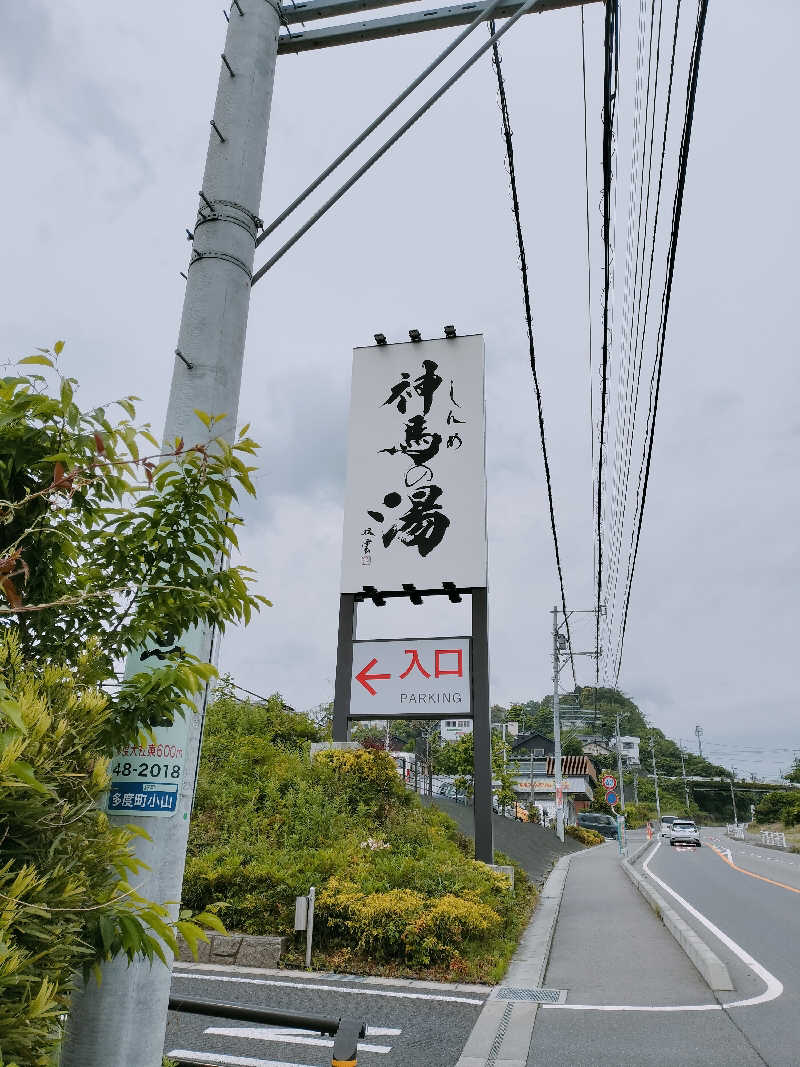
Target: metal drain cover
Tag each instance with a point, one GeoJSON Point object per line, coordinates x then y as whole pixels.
{"type": "Point", "coordinates": [539, 996]}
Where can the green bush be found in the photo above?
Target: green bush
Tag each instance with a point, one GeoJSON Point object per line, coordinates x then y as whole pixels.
{"type": "Point", "coordinates": [584, 835]}
{"type": "Point", "coordinates": [64, 869]}
{"type": "Point", "coordinates": [780, 806]}
{"type": "Point", "coordinates": [638, 815]}
{"type": "Point", "coordinates": [396, 883]}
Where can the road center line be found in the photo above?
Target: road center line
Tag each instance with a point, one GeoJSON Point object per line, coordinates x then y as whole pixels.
{"type": "Point", "coordinates": [752, 874]}
{"type": "Point", "coordinates": [316, 986]}
{"type": "Point", "coordinates": [772, 992]}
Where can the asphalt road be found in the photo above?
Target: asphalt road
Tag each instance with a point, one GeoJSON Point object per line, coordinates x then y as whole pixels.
{"type": "Point", "coordinates": [417, 1023]}
{"type": "Point", "coordinates": [634, 999]}
{"type": "Point", "coordinates": [763, 919]}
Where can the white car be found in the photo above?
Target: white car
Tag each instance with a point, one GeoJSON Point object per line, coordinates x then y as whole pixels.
{"type": "Point", "coordinates": [683, 832]}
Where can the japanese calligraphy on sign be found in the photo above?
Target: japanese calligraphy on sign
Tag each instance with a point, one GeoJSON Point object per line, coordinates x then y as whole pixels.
{"type": "Point", "coordinates": [415, 508]}
{"type": "Point", "coordinates": [427, 677]}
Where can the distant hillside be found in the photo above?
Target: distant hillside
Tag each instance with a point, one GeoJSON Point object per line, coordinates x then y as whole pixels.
{"type": "Point", "coordinates": [707, 800]}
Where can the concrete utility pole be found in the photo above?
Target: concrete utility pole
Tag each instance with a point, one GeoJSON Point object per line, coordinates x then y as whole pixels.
{"type": "Point", "coordinates": [699, 734]}
{"type": "Point", "coordinates": [123, 1021]}
{"type": "Point", "coordinates": [619, 768]}
{"type": "Point", "coordinates": [559, 782]}
{"type": "Point", "coordinates": [655, 776]}
{"type": "Point", "coordinates": [685, 785]}
{"type": "Point", "coordinates": [733, 798]}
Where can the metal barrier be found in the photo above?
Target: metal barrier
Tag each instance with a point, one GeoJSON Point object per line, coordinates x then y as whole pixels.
{"type": "Point", "coordinates": [736, 832]}
{"type": "Point", "coordinates": [773, 838]}
{"type": "Point", "coordinates": [345, 1032]}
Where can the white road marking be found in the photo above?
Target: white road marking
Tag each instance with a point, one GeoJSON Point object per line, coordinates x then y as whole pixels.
{"type": "Point", "coordinates": [772, 992]}
{"type": "Point", "coordinates": [316, 986]}
{"type": "Point", "coordinates": [296, 1037]}
{"type": "Point", "coordinates": [221, 1059]}
{"type": "Point", "coordinates": [774, 986]}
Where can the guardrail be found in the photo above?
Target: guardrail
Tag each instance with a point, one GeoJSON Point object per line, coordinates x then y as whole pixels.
{"type": "Point", "coordinates": [736, 832]}
{"type": "Point", "coordinates": [345, 1032]}
{"type": "Point", "coordinates": [773, 838]}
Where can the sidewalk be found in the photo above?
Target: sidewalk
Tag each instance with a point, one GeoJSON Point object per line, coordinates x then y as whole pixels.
{"type": "Point", "coordinates": [609, 950]}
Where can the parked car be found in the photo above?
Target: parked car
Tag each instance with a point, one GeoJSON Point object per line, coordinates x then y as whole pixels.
{"type": "Point", "coordinates": [595, 820]}
{"type": "Point", "coordinates": [666, 822]}
{"type": "Point", "coordinates": [684, 832]}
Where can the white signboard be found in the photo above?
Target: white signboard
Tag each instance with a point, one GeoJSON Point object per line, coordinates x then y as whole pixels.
{"type": "Point", "coordinates": [415, 505]}
{"type": "Point", "coordinates": [146, 777]}
{"type": "Point", "coordinates": [395, 679]}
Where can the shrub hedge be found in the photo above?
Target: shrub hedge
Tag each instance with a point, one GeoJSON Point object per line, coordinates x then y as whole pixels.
{"type": "Point", "coordinates": [584, 835]}
{"type": "Point", "coordinates": [396, 885]}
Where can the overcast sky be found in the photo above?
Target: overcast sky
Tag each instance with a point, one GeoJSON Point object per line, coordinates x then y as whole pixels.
{"type": "Point", "coordinates": [105, 111]}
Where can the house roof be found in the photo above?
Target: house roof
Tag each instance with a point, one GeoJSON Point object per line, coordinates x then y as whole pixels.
{"type": "Point", "coordinates": [527, 741]}
{"type": "Point", "coordinates": [573, 767]}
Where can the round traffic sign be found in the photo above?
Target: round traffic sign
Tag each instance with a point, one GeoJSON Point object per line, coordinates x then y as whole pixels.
{"type": "Point", "coordinates": [609, 781]}
{"type": "Point", "coordinates": [611, 797]}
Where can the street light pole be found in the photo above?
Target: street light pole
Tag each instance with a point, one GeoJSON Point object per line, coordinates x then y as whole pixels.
{"type": "Point", "coordinates": [559, 784]}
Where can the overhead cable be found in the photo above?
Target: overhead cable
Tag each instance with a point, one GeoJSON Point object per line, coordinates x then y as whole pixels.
{"type": "Point", "coordinates": [529, 5]}
{"type": "Point", "coordinates": [526, 295]}
{"type": "Point", "coordinates": [641, 337]}
{"type": "Point", "coordinates": [683, 158]}
{"type": "Point", "coordinates": [387, 111]}
{"type": "Point", "coordinates": [609, 103]}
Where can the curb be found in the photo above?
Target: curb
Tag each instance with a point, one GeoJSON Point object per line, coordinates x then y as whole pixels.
{"type": "Point", "coordinates": [640, 851]}
{"type": "Point", "coordinates": [707, 962]}
{"type": "Point", "coordinates": [501, 1037]}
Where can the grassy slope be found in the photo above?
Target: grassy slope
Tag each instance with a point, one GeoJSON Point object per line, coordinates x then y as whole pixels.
{"type": "Point", "coordinates": [397, 890]}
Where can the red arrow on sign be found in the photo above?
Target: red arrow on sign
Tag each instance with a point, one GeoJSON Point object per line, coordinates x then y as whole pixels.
{"type": "Point", "coordinates": [365, 677]}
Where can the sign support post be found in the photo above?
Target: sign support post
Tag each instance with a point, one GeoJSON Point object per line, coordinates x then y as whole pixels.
{"type": "Point", "coordinates": [481, 728]}
{"type": "Point", "coordinates": [344, 666]}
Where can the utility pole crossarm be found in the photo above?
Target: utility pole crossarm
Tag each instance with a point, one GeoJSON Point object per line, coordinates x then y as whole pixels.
{"type": "Point", "coordinates": [398, 25]}
{"type": "Point", "coordinates": [313, 10]}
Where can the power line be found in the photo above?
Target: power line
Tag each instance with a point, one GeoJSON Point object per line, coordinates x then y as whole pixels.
{"type": "Point", "coordinates": [609, 100]}
{"type": "Point", "coordinates": [683, 159]}
{"type": "Point", "coordinates": [626, 415]}
{"type": "Point", "coordinates": [656, 216]}
{"type": "Point", "coordinates": [523, 263]}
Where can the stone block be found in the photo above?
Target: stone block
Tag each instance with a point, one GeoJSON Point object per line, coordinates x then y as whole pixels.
{"type": "Point", "coordinates": [225, 948]}
{"type": "Point", "coordinates": [261, 951]}
{"type": "Point", "coordinates": [185, 953]}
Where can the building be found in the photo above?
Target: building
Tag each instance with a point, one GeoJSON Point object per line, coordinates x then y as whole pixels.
{"type": "Point", "coordinates": [452, 729]}
{"type": "Point", "coordinates": [578, 776]}
{"type": "Point", "coordinates": [535, 744]}
{"type": "Point", "coordinates": [605, 749]}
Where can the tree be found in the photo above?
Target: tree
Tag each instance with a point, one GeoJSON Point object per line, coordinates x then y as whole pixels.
{"type": "Point", "coordinates": [65, 872]}
{"type": "Point", "coordinates": [794, 774]}
{"type": "Point", "coordinates": [103, 550]}
{"type": "Point", "coordinates": [102, 542]}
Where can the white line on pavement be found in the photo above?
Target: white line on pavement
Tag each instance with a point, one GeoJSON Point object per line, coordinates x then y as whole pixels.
{"type": "Point", "coordinates": [773, 990]}
{"type": "Point", "coordinates": [774, 986]}
{"type": "Point", "coordinates": [302, 1037]}
{"type": "Point", "coordinates": [316, 986]}
{"type": "Point", "coordinates": [221, 1059]}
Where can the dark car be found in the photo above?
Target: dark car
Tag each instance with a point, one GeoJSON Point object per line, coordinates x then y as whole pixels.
{"type": "Point", "coordinates": [602, 824]}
